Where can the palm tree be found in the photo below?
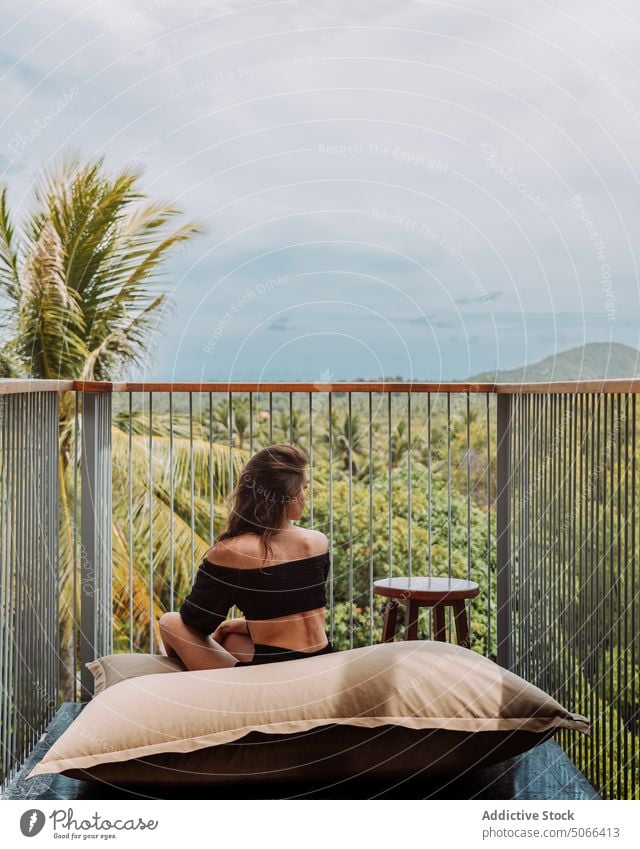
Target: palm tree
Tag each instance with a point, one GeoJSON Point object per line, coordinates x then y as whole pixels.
{"type": "Point", "coordinates": [80, 303]}
{"type": "Point", "coordinates": [341, 441]}
{"type": "Point", "coordinates": [293, 428]}
{"type": "Point", "coordinates": [399, 443]}
{"type": "Point", "coordinates": [239, 421]}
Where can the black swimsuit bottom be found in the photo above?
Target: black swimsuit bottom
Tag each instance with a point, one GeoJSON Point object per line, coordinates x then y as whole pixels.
{"type": "Point", "coordinates": [268, 654]}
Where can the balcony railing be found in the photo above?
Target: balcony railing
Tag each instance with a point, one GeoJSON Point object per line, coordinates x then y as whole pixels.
{"type": "Point", "coordinates": [111, 493]}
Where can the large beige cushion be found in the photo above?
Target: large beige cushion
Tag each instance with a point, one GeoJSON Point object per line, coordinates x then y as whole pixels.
{"type": "Point", "coordinates": [113, 668]}
{"type": "Point", "coordinates": [386, 710]}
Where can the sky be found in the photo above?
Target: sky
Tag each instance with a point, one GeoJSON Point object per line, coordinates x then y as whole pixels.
{"type": "Point", "coordinates": [422, 190]}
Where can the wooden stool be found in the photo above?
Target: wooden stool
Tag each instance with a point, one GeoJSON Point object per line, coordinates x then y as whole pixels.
{"type": "Point", "coordinates": [425, 592]}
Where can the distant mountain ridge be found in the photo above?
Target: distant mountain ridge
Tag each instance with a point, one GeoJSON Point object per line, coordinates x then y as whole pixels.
{"type": "Point", "coordinates": [597, 360]}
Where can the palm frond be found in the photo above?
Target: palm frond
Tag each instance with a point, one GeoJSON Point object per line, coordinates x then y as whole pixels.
{"type": "Point", "coordinates": [149, 260]}
{"type": "Point", "coordinates": [184, 467]}
{"type": "Point", "coordinates": [9, 277]}
{"type": "Point", "coordinates": [50, 321]}
{"type": "Point", "coordinates": [123, 345]}
{"type": "Point", "coordinates": [93, 248]}
{"type": "Point", "coordinates": [10, 365]}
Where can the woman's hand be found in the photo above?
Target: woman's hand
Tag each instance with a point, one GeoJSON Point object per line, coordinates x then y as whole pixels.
{"type": "Point", "coordinates": [229, 626]}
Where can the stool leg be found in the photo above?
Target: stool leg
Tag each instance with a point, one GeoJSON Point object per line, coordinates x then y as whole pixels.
{"type": "Point", "coordinates": [462, 625]}
{"type": "Point", "coordinates": [390, 620]}
{"type": "Point", "coordinates": [438, 623]}
{"type": "Point", "coordinates": [411, 622]}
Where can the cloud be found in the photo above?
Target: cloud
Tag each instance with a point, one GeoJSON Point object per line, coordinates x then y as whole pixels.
{"type": "Point", "coordinates": [489, 296]}
{"type": "Point", "coordinates": [280, 324]}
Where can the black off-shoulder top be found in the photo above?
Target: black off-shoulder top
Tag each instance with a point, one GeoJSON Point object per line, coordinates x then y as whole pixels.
{"type": "Point", "coordinates": [265, 592]}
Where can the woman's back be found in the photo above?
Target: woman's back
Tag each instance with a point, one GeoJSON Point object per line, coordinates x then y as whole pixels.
{"type": "Point", "coordinates": [283, 597]}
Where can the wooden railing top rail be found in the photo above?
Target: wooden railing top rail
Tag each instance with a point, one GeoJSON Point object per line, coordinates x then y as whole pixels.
{"type": "Point", "coordinates": [618, 385]}
{"type": "Point", "coordinates": [302, 386]}
{"type": "Point", "coordinates": [11, 386]}
{"type": "Point", "coordinates": [17, 386]}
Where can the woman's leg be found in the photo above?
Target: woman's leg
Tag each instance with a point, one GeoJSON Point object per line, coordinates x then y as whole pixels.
{"type": "Point", "coordinates": [240, 646]}
{"type": "Point", "coordinates": [195, 649]}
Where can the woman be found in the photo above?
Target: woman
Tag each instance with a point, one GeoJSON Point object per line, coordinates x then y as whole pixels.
{"type": "Point", "coordinates": [273, 571]}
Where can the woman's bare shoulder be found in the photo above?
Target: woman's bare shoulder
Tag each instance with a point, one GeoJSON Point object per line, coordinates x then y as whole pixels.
{"type": "Point", "coordinates": [246, 551]}
{"type": "Point", "coordinates": [240, 552]}
{"type": "Point", "coordinates": [307, 541]}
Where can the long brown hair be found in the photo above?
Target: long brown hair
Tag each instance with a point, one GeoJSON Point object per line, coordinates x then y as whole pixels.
{"type": "Point", "coordinates": [267, 483]}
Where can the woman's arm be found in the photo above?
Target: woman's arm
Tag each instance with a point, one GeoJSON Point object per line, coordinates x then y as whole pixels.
{"type": "Point", "coordinates": [230, 626]}
{"type": "Point", "coordinates": [209, 601]}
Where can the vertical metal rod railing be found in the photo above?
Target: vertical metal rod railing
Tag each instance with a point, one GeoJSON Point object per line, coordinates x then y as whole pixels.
{"type": "Point", "coordinates": [76, 537]}
{"type": "Point", "coordinates": [566, 518]}
{"type": "Point", "coordinates": [577, 509]}
{"type": "Point", "coordinates": [523, 627]}
{"type": "Point", "coordinates": [614, 518]}
{"type": "Point", "coordinates": [559, 673]}
{"type": "Point", "coordinates": [95, 567]}
{"type": "Point", "coordinates": [550, 590]}
{"type": "Point", "coordinates": [250, 421]}
{"type": "Point", "coordinates": [544, 573]}
{"type": "Point", "coordinates": [311, 519]}
{"type": "Point", "coordinates": [568, 626]}
{"type": "Point", "coordinates": [211, 468]}
{"type": "Point", "coordinates": [7, 476]}
{"type": "Point", "coordinates": [622, 637]}
{"type": "Point", "coordinates": [29, 572]}
{"type": "Point", "coordinates": [589, 570]}
{"type": "Point", "coordinates": [172, 565]}
{"type": "Point", "coordinates": [468, 452]}
{"type": "Point", "coordinates": [520, 492]}
{"type": "Point", "coordinates": [370, 466]}
{"type": "Point", "coordinates": [151, 522]}
{"type": "Point", "coordinates": [598, 569]}
{"type": "Point", "coordinates": [331, 540]}
{"type": "Point", "coordinates": [29, 540]}
{"type": "Point", "coordinates": [19, 572]}
{"type": "Point", "coordinates": [576, 572]}
{"type": "Point", "coordinates": [449, 534]}
{"type": "Point", "coordinates": [503, 531]}
{"type": "Point", "coordinates": [192, 559]}
{"type": "Point", "coordinates": [515, 453]}
{"type": "Point", "coordinates": [634, 695]}
{"type": "Point", "coordinates": [350, 509]}
{"type": "Point", "coordinates": [130, 514]}
{"type": "Point", "coordinates": [409, 486]}
{"type": "Point", "coordinates": [390, 486]}
{"type": "Point", "coordinates": [291, 417]}
{"type": "Point", "coordinates": [535, 553]}
{"type": "Point", "coordinates": [488, 456]}
{"type": "Point", "coordinates": [53, 567]}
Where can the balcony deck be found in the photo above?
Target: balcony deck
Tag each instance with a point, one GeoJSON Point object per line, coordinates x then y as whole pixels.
{"type": "Point", "coordinates": [543, 773]}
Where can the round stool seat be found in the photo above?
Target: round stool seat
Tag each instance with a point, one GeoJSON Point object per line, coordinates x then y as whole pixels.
{"type": "Point", "coordinates": [426, 589]}
{"type": "Point", "coordinates": [417, 592]}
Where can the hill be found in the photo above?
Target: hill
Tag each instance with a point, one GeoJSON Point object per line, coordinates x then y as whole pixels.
{"type": "Point", "coordinates": [586, 362]}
